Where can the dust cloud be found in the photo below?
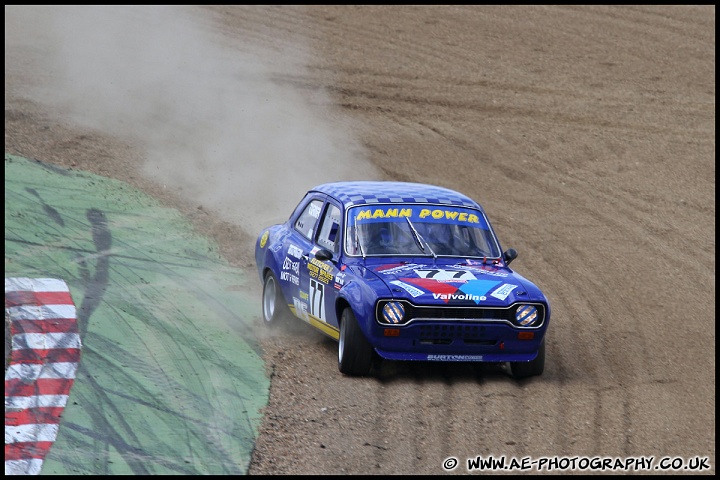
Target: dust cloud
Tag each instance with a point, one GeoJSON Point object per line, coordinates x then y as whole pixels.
{"type": "Point", "coordinates": [223, 125]}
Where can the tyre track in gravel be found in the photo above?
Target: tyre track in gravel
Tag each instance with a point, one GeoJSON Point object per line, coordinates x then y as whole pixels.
{"type": "Point", "coordinates": [426, 389]}
{"type": "Point", "coordinates": [168, 339]}
{"type": "Point", "coordinates": [592, 364]}
{"type": "Point", "coordinates": [672, 28]}
{"type": "Point", "coordinates": [288, 18]}
{"type": "Point", "coordinates": [176, 340]}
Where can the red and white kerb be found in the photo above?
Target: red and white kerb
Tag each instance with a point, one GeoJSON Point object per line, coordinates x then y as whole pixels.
{"type": "Point", "coordinates": [45, 357]}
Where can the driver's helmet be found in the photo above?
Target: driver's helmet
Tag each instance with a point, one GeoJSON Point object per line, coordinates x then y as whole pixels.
{"type": "Point", "coordinates": [378, 237]}
{"type": "Point", "coordinates": [439, 235]}
{"type": "Point", "coordinates": [435, 232]}
{"type": "Point", "coordinates": [386, 239]}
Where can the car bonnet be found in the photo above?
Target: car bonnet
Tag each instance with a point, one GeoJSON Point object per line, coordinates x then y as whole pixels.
{"type": "Point", "coordinates": [464, 283]}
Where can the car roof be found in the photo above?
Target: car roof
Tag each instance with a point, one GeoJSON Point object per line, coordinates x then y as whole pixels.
{"type": "Point", "coordinates": [368, 192]}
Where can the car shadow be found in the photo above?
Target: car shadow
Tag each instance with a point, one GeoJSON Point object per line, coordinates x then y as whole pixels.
{"type": "Point", "coordinates": [389, 371]}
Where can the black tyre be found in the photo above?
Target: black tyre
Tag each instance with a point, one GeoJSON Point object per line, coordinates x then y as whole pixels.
{"type": "Point", "coordinates": [531, 368]}
{"type": "Point", "coordinates": [274, 308]}
{"type": "Point", "coordinates": [355, 354]}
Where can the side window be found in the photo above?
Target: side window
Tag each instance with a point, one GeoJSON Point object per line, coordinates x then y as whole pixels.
{"type": "Point", "coordinates": [305, 224]}
{"type": "Point", "coordinates": [330, 228]}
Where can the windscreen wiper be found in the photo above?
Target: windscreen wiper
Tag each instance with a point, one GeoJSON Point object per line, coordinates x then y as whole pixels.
{"type": "Point", "coordinates": [357, 241]}
{"type": "Point", "coordinates": [419, 239]}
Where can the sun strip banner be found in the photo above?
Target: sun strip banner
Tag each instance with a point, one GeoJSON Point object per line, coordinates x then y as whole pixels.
{"type": "Point", "coordinates": [44, 360]}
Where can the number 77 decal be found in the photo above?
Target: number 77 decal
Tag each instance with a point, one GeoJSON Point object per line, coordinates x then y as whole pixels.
{"type": "Point", "coordinates": [317, 293]}
{"type": "Point", "coordinates": [440, 274]}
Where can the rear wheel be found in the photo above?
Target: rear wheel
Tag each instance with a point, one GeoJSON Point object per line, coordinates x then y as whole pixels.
{"type": "Point", "coordinates": [531, 368]}
{"type": "Point", "coordinates": [355, 354]}
{"type": "Point", "coordinates": [274, 307]}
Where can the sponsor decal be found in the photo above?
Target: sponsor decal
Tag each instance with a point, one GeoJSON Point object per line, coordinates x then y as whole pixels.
{"type": "Point", "coordinates": [415, 292]}
{"type": "Point", "coordinates": [263, 239]}
{"type": "Point", "coordinates": [290, 265]}
{"type": "Point", "coordinates": [432, 285]}
{"type": "Point", "coordinates": [472, 290]}
{"type": "Point", "coordinates": [454, 215]}
{"type": "Point", "coordinates": [437, 214]}
{"type": "Point", "coordinates": [484, 262]}
{"type": "Point", "coordinates": [339, 280]}
{"type": "Point", "coordinates": [294, 251]}
{"type": "Point", "coordinates": [478, 288]}
{"type": "Point", "coordinates": [455, 358]}
{"type": "Point", "coordinates": [459, 296]}
{"type": "Point", "coordinates": [503, 291]}
{"type": "Point", "coordinates": [317, 302]}
{"type": "Point", "coordinates": [301, 309]}
{"type": "Point", "coordinates": [320, 270]}
{"type": "Point", "coordinates": [314, 210]}
{"type": "Point", "coordinates": [492, 270]}
{"type": "Point", "coordinates": [470, 261]}
{"type": "Point", "coordinates": [289, 277]}
{"type": "Point", "coordinates": [484, 269]}
{"type": "Point", "coordinates": [442, 275]}
{"type": "Point", "coordinates": [304, 296]}
{"type": "Point", "coordinates": [392, 269]}
{"type": "Point", "coordinates": [384, 213]}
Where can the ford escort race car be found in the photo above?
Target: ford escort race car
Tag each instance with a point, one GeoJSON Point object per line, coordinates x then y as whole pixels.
{"type": "Point", "coordinates": [401, 271]}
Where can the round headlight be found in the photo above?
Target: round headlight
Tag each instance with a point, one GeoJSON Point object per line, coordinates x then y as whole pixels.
{"type": "Point", "coordinates": [393, 312]}
{"type": "Point", "coordinates": [526, 315]}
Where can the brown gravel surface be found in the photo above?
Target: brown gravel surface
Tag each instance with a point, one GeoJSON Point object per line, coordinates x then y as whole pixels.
{"type": "Point", "coordinates": [588, 133]}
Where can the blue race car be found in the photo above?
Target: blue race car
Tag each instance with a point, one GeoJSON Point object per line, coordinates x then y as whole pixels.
{"type": "Point", "coordinates": [401, 271]}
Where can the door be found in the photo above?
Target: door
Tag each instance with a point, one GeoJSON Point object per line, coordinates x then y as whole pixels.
{"type": "Point", "coordinates": [298, 245]}
{"type": "Point", "coordinates": [321, 278]}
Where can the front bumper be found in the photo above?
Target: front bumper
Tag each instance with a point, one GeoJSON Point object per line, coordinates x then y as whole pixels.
{"type": "Point", "coordinates": [457, 342]}
{"type": "Point", "coordinates": [457, 357]}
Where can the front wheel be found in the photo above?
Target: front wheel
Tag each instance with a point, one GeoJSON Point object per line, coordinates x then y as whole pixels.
{"type": "Point", "coordinates": [355, 354]}
{"type": "Point", "coordinates": [532, 368]}
{"type": "Point", "coordinates": [273, 303]}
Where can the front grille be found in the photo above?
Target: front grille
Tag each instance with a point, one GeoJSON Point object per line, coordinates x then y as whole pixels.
{"type": "Point", "coordinates": [459, 313]}
{"type": "Point", "coordinates": [474, 316]}
{"type": "Point", "coordinates": [438, 334]}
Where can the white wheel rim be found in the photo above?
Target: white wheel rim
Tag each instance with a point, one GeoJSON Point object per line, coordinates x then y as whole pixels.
{"type": "Point", "coordinates": [341, 345]}
{"type": "Point", "coordinates": [269, 299]}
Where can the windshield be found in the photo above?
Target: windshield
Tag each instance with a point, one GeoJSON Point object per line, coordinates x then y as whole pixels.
{"type": "Point", "coordinates": [447, 230]}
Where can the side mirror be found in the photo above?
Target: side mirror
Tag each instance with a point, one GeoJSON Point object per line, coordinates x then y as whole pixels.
{"type": "Point", "coordinates": [510, 255]}
{"type": "Point", "coordinates": [324, 254]}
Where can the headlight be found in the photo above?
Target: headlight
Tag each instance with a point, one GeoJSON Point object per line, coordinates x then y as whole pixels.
{"type": "Point", "coordinates": [393, 312]}
{"type": "Point", "coordinates": [526, 315]}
